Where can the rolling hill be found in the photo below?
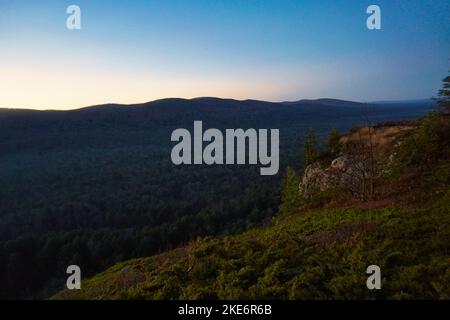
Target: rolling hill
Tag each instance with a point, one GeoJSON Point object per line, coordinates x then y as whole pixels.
{"type": "Point", "coordinates": [95, 186]}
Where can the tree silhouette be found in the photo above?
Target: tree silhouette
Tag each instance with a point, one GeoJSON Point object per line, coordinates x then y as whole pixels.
{"type": "Point", "coordinates": [443, 98]}
{"type": "Point", "coordinates": [311, 152]}
{"type": "Point", "coordinates": [333, 146]}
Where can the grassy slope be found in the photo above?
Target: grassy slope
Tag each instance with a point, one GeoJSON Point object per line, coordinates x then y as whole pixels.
{"type": "Point", "coordinates": [319, 254]}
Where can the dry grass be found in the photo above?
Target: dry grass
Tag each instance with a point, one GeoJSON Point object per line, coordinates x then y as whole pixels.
{"type": "Point", "coordinates": [382, 137]}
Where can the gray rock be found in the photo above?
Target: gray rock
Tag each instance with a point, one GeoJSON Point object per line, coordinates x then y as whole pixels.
{"type": "Point", "coordinates": [344, 172]}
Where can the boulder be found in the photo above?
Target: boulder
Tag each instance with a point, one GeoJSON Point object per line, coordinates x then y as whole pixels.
{"type": "Point", "coordinates": [344, 172]}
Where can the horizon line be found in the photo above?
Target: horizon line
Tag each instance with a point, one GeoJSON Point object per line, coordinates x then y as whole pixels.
{"type": "Point", "coordinates": [218, 98]}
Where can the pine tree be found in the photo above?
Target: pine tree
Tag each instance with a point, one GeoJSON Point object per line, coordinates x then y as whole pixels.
{"type": "Point", "coordinates": [333, 145]}
{"type": "Point", "coordinates": [289, 191]}
{"type": "Point", "coordinates": [443, 98]}
{"type": "Point", "coordinates": [310, 150]}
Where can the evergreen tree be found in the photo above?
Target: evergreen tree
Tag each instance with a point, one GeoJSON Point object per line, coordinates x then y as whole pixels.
{"type": "Point", "coordinates": [310, 150]}
{"type": "Point", "coordinates": [443, 98]}
{"type": "Point", "coordinates": [333, 145]}
{"type": "Point", "coordinates": [289, 191]}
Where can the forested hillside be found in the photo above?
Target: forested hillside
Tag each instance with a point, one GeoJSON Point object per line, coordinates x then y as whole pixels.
{"type": "Point", "coordinates": [321, 242]}
{"type": "Point", "coordinates": [96, 186]}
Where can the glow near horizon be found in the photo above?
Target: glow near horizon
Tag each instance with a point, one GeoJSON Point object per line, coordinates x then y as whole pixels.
{"type": "Point", "coordinates": [268, 50]}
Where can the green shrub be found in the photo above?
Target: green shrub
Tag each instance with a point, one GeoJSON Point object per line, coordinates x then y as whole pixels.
{"type": "Point", "coordinates": [425, 145]}
{"type": "Point", "coordinates": [289, 192]}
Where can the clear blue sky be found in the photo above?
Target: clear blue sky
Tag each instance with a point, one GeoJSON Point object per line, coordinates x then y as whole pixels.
{"type": "Point", "coordinates": [135, 51]}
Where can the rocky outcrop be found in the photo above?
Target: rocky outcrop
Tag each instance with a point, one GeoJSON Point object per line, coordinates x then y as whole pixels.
{"type": "Point", "coordinates": [315, 179]}
{"type": "Point", "coordinates": [368, 153]}
{"type": "Point", "coordinates": [345, 172]}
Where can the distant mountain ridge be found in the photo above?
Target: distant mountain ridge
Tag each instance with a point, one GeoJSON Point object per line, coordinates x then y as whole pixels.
{"type": "Point", "coordinates": [430, 101]}
{"type": "Point", "coordinates": [223, 101]}
{"type": "Point", "coordinates": [326, 101]}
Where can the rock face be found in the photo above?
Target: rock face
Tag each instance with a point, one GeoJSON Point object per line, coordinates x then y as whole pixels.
{"type": "Point", "coordinates": [315, 179]}
{"type": "Point", "coordinates": [344, 172]}
{"type": "Point", "coordinates": [368, 153]}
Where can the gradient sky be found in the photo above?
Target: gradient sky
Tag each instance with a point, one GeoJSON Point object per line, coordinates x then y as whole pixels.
{"type": "Point", "coordinates": [136, 51]}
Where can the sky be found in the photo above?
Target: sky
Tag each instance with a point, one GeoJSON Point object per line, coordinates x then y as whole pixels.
{"type": "Point", "coordinates": [277, 50]}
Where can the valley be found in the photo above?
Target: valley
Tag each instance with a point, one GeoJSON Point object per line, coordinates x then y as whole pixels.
{"type": "Point", "coordinates": [96, 186]}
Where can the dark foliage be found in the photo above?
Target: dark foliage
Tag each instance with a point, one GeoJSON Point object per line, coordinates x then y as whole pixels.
{"type": "Point", "coordinates": [96, 186]}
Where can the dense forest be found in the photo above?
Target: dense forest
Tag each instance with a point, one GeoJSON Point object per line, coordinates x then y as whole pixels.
{"type": "Point", "coordinates": [96, 186]}
{"type": "Point", "coordinates": [320, 244]}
